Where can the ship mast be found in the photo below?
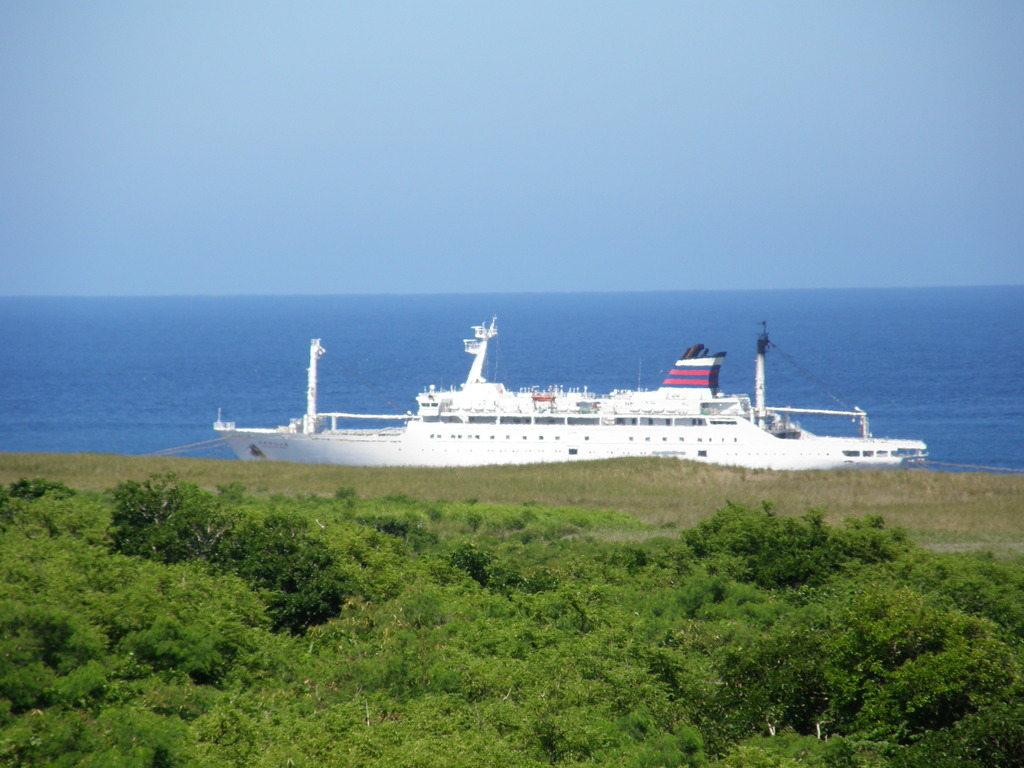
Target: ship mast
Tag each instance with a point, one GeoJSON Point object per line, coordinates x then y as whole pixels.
{"type": "Point", "coordinates": [310, 419]}
{"type": "Point", "coordinates": [478, 348]}
{"type": "Point", "coordinates": [762, 346]}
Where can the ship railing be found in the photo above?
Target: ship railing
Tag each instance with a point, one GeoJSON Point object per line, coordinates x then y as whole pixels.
{"type": "Point", "coordinates": [365, 417]}
{"type": "Point", "coordinates": [381, 432]}
{"type": "Point", "coordinates": [856, 413]}
{"type": "Point", "coordinates": [230, 427]}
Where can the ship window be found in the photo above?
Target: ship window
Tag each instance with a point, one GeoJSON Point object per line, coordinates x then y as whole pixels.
{"type": "Point", "coordinates": [573, 451]}
{"type": "Point", "coordinates": [702, 453]}
{"type": "Point", "coordinates": [515, 419]}
{"type": "Point", "coordinates": [583, 420]}
{"type": "Point", "coordinates": [851, 453]}
{"type": "Point", "coordinates": [869, 453]}
{"type": "Point", "coordinates": [587, 437]}
{"type": "Point", "coordinates": [883, 453]}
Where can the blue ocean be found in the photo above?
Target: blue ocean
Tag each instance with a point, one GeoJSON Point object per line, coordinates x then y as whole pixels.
{"type": "Point", "coordinates": [143, 375]}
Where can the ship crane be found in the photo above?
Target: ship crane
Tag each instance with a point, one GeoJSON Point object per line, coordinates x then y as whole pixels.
{"type": "Point", "coordinates": [309, 421]}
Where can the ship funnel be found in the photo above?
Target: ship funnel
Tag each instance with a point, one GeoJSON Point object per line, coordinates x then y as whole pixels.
{"type": "Point", "coordinates": [696, 371]}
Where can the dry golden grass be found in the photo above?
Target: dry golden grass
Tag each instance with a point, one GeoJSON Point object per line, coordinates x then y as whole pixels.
{"type": "Point", "coordinates": [949, 510]}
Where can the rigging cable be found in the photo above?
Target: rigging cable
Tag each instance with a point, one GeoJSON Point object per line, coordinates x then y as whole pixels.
{"type": "Point", "coordinates": [812, 377]}
{"type": "Point", "coordinates": [205, 445]}
{"type": "Point", "coordinates": [496, 364]}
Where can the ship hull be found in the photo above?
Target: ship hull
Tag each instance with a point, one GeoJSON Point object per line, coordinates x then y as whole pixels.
{"type": "Point", "coordinates": [422, 444]}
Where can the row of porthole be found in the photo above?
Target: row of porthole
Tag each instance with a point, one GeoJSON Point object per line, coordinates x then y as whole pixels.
{"type": "Point", "coordinates": [683, 440]}
{"type": "Point", "coordinates": [575, 451]}
{"type": "Point", "coordinates": [477, 437]}
{"type": "Point", "coordinates": [558, 437]}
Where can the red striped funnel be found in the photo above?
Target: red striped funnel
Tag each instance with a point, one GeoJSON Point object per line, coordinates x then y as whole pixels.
{"type": "Point", "coordinates": [697, 369]}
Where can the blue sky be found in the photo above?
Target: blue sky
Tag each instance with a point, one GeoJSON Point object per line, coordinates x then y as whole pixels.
{"type": "Point", "coordinates": [433, 147]}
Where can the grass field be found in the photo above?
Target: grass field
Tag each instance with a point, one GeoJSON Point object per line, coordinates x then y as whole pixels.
{"type": "Point", "coordinates": [947, 511]}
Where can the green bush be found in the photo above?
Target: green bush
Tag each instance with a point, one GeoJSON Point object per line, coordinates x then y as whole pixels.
{"type": "Point", "coordinates": [299, 574]}
{"type": "Point", "coordinates": [167, 644]}
{"type": "Point", "coordinates": [40, 645]}
{"type": "Point", "coordinates": [772, 551]}
{"type": "Point", "coordinates": [415, 633]}
{"type": "Point", "coordinates": [166, 520]}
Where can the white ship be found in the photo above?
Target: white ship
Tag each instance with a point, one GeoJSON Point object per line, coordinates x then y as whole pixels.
{"type": "Point", "coordinates": [482, 422]}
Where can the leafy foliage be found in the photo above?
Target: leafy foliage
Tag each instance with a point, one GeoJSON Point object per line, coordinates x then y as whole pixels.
{"type": "Point", "coordinates": [772, 551]}
{"type": "Point", "coordinates": [162, 625]}
{"type": "Point", "coordinates": [299, 573]}
{"type": "Point", "coordinates": [37, 488]}
{"type": "Point", "coordinates": [44, 652]}
{"type": "Point", "coordinates": [167, 521]}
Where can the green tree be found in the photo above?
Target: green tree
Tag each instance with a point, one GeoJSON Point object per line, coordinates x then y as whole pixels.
{"type": "Point", "coordinates": [166, 520]}
{"type": "Point", "coordinates": [778, 681]}
{"type": "Point", "coordinates": [40, 646]}
{"type": "Point", "coordinates": [39, 487]}
{"type": "Point", "coordinates": [901, 667]}
{"type": "Point", "coordinates": [299, 575]}
{"type": "Point", "coordinates": [773, 551]}
{"type": "Point", "coordinates": [992, 737]}
{"type": "Point", "coordinates": [167, 644]}
{"type": "Point", "coordinates": [473, 561]}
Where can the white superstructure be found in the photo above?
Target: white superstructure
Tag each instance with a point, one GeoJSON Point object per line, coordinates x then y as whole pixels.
{"type": "Point", "coordinates": [481, 423]}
